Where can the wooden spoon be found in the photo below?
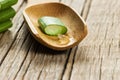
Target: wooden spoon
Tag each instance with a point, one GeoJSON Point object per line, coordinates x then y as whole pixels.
{"type": "Point", "coordinates": [76, 26]}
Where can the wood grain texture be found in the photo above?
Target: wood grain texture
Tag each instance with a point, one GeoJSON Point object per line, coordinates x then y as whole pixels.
{"type": "Point", "coordinates": [75, 4]}
{"type": "Point", "coordinates": [9, 36]}
{"type": "Point", "coordinates": [78, 6]}
{"type": "Point", "coordinates": [23, 58]}
{"type": "Point", "coordinates": [97, 57]}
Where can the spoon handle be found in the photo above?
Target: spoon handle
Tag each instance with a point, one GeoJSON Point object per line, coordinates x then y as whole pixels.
{"type": "Point", "coordinates": [32, 2]}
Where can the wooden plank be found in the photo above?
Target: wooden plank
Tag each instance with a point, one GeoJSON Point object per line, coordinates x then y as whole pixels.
{"type": "Point", "coordinates": [8, 37]}
{"type": "Point", "coordinates": [68, 69]}
{"type": "Point", "coordinates": [75, 4]}
{"type": "Point", "coordinates": [30, 56]}
{"type": "Point", "coordinates": [81, 7]}
{"type": "Point", "coordinates": [44, 63]}
{"type": "Point", "coordinates": [13, 60]}
{"type": "Point", "coordinates": [18, 5]}
{"type": "Point", "coordinates": [97, 57]}
{"type": "Point", "coordinates": [27, 59]}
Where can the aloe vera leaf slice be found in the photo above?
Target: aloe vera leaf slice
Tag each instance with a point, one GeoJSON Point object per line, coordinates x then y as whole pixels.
{"type": "Point", "coordinates": [52, 25]}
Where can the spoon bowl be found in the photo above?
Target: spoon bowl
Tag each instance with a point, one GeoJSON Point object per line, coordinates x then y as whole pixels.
{"type": "Point", "coordinates": [76, 26]}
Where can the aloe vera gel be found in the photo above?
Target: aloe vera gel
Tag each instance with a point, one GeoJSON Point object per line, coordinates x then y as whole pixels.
{"type": "Point", "coordinates": [52, 26]}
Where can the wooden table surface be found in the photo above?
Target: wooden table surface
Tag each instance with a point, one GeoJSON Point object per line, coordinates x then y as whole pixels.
{"type": "Point", "coordinates": [97, 57]}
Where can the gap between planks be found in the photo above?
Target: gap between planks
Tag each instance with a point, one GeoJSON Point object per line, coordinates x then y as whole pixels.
{"type": "Point", "coordinates": [68, 71]}
{"type": "Point", "coordinates": [9, 37]}
{"type": "Point", "coordinates": [70, 58]}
